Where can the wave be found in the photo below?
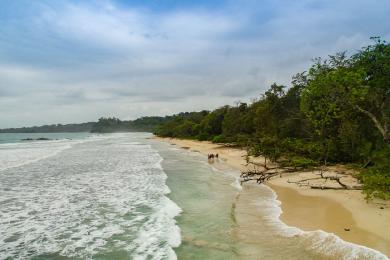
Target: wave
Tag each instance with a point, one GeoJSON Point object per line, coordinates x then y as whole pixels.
{"type": "Point", "coordinates": [328, 244]}
{"type": "Point", "coordinates": [14, 155]}
{"type": "Point", "coordinates": [98, 198]}
{"type": "Point", "coordinates": [161, 228]}
{"type": "Point", "coordinates": [18, 154]}
{"type": "Point", "coordinates": [319, 241]}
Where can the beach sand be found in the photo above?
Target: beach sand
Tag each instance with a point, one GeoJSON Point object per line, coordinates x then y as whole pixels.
{"type": "Point", "coordinates": [308, 209]}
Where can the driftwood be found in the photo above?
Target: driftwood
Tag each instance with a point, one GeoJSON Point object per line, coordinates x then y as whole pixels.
{"type": "Point", "coordinates": [258, 164]}
{"type": "Point", "coordinates": [261, 176]}
{"type": "Point", "coordinates": [336, 178]}
{"type": "Point", "coordinates": [342, 185]}
{"type": "Point", "coordinates": [319, 187]}
{"type": "Point", "coordinates": [303, 182]}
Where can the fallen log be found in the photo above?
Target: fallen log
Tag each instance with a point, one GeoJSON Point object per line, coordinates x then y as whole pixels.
{"type": "Point", "coordinates": [319, 187]}
{"type": "Point", "coordinates": [300, 181]}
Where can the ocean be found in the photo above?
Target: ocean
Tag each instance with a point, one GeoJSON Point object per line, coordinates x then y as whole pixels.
{"type": "Point", "coordinates": [125, 196]}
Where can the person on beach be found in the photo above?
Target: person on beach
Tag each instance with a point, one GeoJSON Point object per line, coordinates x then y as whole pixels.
{"type": "Point", "coordinates": [212, 156]}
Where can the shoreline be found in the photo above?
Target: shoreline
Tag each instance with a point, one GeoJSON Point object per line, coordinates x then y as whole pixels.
{"type": "Point", "coordinates": [332, 211]}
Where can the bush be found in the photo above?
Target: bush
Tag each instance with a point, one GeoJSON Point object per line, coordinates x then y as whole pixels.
{"type": "Point", "coordinates": [376, 180]}
{"type": "Point", "coordinates": [300, 162]}
{"type": "Point", "coordinates": [303, 163]}
{"type": "Point", "coordinates": [312, 150]}
{"type": "Point", "coordinates": [202, 137]}
{"type": "Point", "coordinates": [219, 139]}
{"type": "Point", "coordinates": [376, 184]}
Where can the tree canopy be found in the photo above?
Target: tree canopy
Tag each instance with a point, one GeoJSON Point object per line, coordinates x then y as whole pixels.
{"type": "Point", "coordinates": [335, 112]}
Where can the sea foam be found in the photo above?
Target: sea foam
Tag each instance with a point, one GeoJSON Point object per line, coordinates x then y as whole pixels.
{"type": "Point", "coordinates": [328, 244]}
{"type": "Point", "coordinates": [19, 154]}
{"type": "Point", "coordinates": [105, 195]}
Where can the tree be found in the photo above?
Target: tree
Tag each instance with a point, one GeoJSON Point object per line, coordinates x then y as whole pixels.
{"type": "Point", "coordinates": [372, 98]}
{"type": "Point", "coordinates": [337, 111]}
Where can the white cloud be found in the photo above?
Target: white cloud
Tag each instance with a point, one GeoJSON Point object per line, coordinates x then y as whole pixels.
{"type": "Point", "coordinates": [102, 59]}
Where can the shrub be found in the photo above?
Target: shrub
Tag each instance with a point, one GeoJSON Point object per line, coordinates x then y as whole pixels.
{"type": "Point", "coordinates": [202, 137]}
{"type": "Point", "coordinates": [300, 162]}
{"type": "Point", "coordinates": [219, 139]}
{"type": "Point", "coordinates": [303, 162]}
{"type": "Point", "coordinates": [376, 184]}
{"type": "Point", "coordinates": [376, 180]}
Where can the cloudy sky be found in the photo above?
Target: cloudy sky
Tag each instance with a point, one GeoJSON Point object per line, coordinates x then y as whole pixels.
{"type": "Point", "coordinates": [74, 61]}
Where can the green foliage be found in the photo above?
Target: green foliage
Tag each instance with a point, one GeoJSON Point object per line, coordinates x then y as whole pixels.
{"type": "Point", "coordinates": [377, 178]}
{"type": "Point", "coordinates": [219, 139]}
{"type": "Point", "coordinates": [202, 137]}
{"type": "Point", "coordinates": [336, 112]}
{"type": "Point", "coordinates": [376, 183]}
{"type": "Point", "coordinates": [110, 125]}
{"type": "Point", "coordinates": [300, 162]}
{"type": "Point", "coordinates": [309, 149]}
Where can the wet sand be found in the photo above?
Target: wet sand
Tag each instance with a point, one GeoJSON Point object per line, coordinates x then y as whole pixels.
{"type": "Point", "coordinates": [329, 210]}
{"type": "Point", "coordinates": [314, 212]}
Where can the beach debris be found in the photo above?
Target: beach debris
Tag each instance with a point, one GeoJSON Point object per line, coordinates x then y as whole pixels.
{"type": "Point", "coordinates": [336, 178]}
{"type": "Point", "coordinates": [262, 172]}
{"type": "Point", "coordinates": [338, 184]}
{"type": "Point", "coordinates": [263, 175]}
{"type": "Point", "coordinates": [347, 229]}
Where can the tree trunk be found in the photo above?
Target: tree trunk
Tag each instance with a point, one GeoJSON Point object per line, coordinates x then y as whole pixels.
{"type": "Point", "coordinates": [383, 129]}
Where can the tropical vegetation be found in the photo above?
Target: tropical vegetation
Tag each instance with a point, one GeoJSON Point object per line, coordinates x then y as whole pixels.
{"type": "Point", "coordinates": [337, 111]}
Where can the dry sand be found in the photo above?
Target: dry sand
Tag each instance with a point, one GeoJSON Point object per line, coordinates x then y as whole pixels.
{"type": "Point", "coordinates": [329, 210]}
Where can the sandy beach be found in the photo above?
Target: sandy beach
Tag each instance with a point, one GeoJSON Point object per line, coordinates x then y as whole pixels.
{"type": "Point", "coordinates": [344, 213]}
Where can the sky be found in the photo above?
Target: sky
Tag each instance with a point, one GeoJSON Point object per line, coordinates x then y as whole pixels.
{"type": "Point", "coordinates": [76, 61]}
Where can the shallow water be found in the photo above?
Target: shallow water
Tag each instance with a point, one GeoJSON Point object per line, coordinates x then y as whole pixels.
{"type": "Point", "coordinates": [219, 220]}
{"type": "Point", "coordinates": [122, 196]}
{"type": "Point", "coordinates": [207, 220]}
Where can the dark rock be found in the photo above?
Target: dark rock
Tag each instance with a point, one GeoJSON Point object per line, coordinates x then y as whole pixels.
{"type": "Point", "coordinates": [38, 139]}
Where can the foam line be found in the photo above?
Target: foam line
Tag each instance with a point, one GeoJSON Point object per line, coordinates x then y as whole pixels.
{"type": "Point", "coordinates": [320, 241]}
{"type": "Point", "coordinates": [108, 193]}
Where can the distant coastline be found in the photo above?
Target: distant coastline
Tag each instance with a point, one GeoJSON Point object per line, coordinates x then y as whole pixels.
{"type": "Point", "coordinates": [103, 125]}
{"type": "Point", "coordinates": [329, 130]}
{"type": "Point", "coordinates": [53, 128]}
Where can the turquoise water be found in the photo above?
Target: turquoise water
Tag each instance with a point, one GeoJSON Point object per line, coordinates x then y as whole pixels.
{"type": "Point", "coordinates": [207, 220]}
{"type": "Point", "coordinates": [124, 196]}
{"type": "Point", "coordinates": [219, 220]}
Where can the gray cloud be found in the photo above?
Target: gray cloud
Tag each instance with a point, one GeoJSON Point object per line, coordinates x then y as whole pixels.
{"type": "Point", "coordinates": [85, 60]}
